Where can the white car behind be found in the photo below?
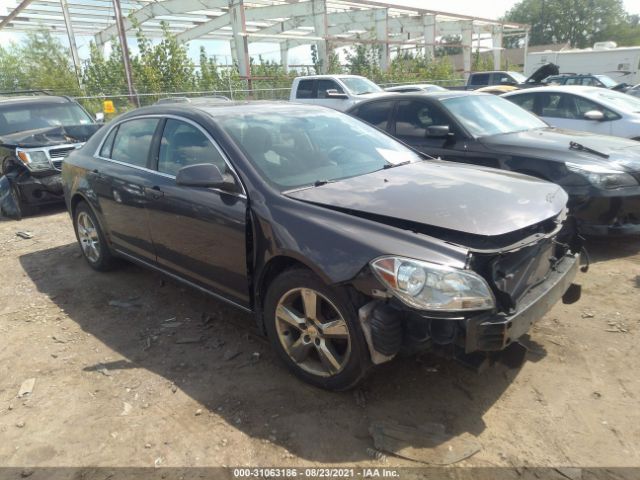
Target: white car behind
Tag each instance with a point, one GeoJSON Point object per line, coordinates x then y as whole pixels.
{"type": "Point", "coordinates": [589, 109]}
{"type": "Point", "coordinates": [339, 92]}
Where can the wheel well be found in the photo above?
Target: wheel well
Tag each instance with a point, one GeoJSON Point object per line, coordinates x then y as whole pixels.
{"type": "Point", "coordinates": [75, 200]}
{"type": "Point", "coordinates": [271, 270]}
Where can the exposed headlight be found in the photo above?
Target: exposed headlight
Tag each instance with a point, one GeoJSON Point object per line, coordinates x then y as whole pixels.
{"type": "Point", "coordinates": [35, 160]}
{"type": "Point", "coordinates": [603, 177]}
{"type": "Point", "coordinates": [428, 286]}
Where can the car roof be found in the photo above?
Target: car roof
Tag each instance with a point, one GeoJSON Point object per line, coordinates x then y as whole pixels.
{"type": "Point", "coordinates": [557, 88]}
{"type": "Point", "coordinates": [39, 99]}
{"type": "Point", "coordinates": [217, 108]}
{"type": "Point", "coordinates": [314, 77]}
{"type": "Point", "coordinates": [424, 95]}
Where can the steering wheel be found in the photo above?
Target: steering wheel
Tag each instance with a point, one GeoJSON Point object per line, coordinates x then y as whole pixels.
{"type": "Point", "coordinates": [338, 154]}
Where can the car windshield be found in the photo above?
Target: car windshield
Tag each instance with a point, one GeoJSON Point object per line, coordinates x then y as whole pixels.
{"type": "Point", "coordinates": [518, 77]}
{"type": "Point", "coordinates": [606, 81]}
{"type": "Point", "coordinates": [485, 115]}
{"type": "Point", "coordinates": [619, 100]}
{"type": "Point", "coordinates": [360, 86]}
{"type": "Point", "coordinates": [19, 117]}
{"type": "Point", "coordinates": [293, 148]}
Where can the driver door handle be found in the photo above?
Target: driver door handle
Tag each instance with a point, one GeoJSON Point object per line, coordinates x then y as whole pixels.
{"type": "Point", "coordinates": [155, 193]}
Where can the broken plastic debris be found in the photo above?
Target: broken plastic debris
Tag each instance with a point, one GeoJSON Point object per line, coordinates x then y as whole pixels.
{"type": "Point", "coordinates": [427, 443]}
{"type": "Point", "coordinates": [27, 387]}
{"type": "Point", "coordinates": [25, 235]}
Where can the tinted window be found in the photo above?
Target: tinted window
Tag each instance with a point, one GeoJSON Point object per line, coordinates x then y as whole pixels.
{"type": "Point", "coordinates": [526, 100]}
{"type": "Point", "coordinates": [105, 151]}
{"type": "Point", "coordinates": [183, 144]}
{"type": "Point", "coordinates": [133, 141]}
{"type": "Point", "coordinates": [305, 89]}
{"type": "Point", "coordinates": [414, 117]}
{"type": "Point", "coordinates": [324, 85]}
{"type": "Point", "coordinates": [376, 113]}
{"type": "Point", "coordinates": [479, 79]}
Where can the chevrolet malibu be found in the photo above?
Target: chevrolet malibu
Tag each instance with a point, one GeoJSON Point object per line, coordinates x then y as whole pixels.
{"type": "Point", "coordinates": [347, 247]}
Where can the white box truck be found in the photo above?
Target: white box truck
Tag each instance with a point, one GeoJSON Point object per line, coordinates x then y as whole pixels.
{"type": "Point", "coordinates": [620, 63]}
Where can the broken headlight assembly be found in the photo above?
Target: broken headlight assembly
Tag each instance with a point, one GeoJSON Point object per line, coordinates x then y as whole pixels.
{"type": "Point", "coordinates": [429, 286]}
{"type": "Point", "coordinates": [603, 177]}
{"type": "Point", "coordinates": [34, 160]}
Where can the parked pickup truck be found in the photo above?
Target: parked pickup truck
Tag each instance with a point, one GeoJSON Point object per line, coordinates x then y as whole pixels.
{"type": "Point", "coordinates": [340, 92]}
{"type": "Point", "coordinates": [478, 80]}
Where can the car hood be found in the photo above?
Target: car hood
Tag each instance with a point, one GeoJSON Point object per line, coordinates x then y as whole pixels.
{"type": "Point", "coordinates": [471, 200]}
{"type": "Point", "coordinates": [543, 72]}
{"type": "Point", "coordinates": [553, 144]}
{"type": "Point", "coordinates": [46, 137]}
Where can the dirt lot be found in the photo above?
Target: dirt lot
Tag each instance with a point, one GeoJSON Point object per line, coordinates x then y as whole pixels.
{"type": "Point", "coordinates": [134, 370]}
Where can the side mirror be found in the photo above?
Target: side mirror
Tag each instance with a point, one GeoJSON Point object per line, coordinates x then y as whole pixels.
{"type": "Point", "coordinates": [595, 115]}
{"type": "Point", "coordinates": [438, 131]}
{"type": "Point", "coordinates": [333, 93]}
{"type": "Point", "coordinates": [100, 117]}
{"type": "Point", "coordinates": [203, 175]}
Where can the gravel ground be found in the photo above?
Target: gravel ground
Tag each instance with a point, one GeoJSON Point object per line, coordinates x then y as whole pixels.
{"type": "Point", "coordinates": [132, 369]}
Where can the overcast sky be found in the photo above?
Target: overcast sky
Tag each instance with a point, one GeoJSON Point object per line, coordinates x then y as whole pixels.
{"type": "Point", "coordinates": [486, 9]}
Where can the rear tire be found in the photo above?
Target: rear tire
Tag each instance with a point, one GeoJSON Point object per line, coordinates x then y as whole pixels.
{"type": "Point", "coordinates": [315, 330]}
{"type": "Point", "coordinates": [95, 248]}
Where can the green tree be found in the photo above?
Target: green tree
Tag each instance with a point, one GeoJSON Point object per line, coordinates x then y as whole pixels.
{"type": "Point", "coordinates": [38, 62]}
{"type": "Point", "coordinates": [578, 22]}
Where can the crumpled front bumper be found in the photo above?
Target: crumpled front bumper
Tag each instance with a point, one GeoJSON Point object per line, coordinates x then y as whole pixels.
{"type": "Point", "coordinates": [493, 332]}
{"type": "Point", "coordinates": [390, 327]}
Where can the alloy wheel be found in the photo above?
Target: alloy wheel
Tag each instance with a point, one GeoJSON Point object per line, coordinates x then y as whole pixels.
{"type": "Point", "coordinates": [313, 332]}
{"type": "Point", "coordinates": [88, 236]}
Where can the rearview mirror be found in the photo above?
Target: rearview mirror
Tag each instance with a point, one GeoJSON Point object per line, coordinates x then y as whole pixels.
{"type": "Point", "coordinates": [438, 131]}
{"type": "Point", "coordinates": [335, 94]}
{"type": "Point", "coordinates": [596, 115]}
{"type": "Point", "coordinates": [203, 175]}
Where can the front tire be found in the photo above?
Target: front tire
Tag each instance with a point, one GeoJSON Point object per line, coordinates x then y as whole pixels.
{"type": "Point", "coordinates": [315, 330]}
{"type": "Point", "coordinates": [91, 239]}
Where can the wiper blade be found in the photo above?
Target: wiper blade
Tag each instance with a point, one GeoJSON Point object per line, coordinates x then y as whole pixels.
{"type": "Point", "coordinates": [393, 165]}
{"type": "Point", "coordinates": [582, 148]}
{"type": "Point", "coordinates": [319, 183]}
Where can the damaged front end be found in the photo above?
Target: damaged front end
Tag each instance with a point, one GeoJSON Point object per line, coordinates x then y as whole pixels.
{"type": "Point", "coordinates": [32, 164]}
{"type": "Point", "coordinates": [525, 280]}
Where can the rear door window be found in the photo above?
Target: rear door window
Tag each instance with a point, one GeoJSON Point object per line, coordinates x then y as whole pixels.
{"type": "Point", "coordinates": [526, 100]}
{"type": "Point", "coordinates": [305, 89]}
{"type": "Point", "coordinates": [376, 113]}
{"type": "Point", "coordinates": [133, 141]}
{"type": "Point", "coordinates": [479, 79]}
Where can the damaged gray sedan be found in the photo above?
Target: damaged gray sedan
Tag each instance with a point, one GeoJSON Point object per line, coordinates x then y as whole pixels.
{"type": "Point", "coordinates": [36, 133]}
{"type": "Point", "coordinates": [346, 246]}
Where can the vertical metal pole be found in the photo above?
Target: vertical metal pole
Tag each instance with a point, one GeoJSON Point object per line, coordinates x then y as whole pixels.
{"type": "Point", "coordinates": [467, 46]}
{"type": "Point", "coordinates": [429, 22]}
{"type": "Point", "coordinates": [284, 56]}
{"type": "Point", "coordinates": [72, 41]}
{"type": "Point", "coordinates": [125, 52]}
{"type": "Point", "coordinates": [382, 36]}
{"type": "Point", "coordinates": [526, 50]}
{"type": "Point", "coordinates": [496, 44]}
{"type": "Point", "coordinates": [320, 29]}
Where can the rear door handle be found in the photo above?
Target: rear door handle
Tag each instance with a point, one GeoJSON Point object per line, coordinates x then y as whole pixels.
{"type": "Point", "coordinates": [155, 193]}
